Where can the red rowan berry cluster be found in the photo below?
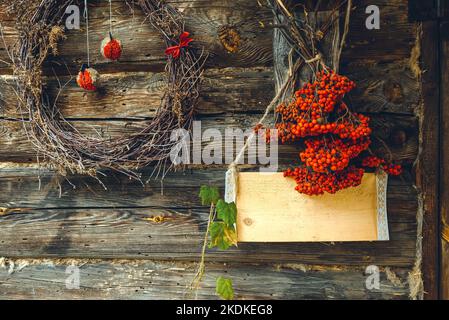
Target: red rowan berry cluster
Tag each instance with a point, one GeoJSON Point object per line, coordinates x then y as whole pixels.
{"type": "Point", "coordinates": [392, 169]}
{"type": "Point", "coordinates": [334, 137]}
{"type": "Point", "coordinates": [323, 94]}
{"type": "Point", "coordinates": [264, 133]}
{"type": "Point", "coordinates": [372, 162]}
{"type": "Point", "coordinates": [314, 183]}
{"type": "Point", "coordinates": [375, 162]}
{"type": "Point", "coordinates": [325, 155]}
{"type": "Point", "coordinates": [318, 109]}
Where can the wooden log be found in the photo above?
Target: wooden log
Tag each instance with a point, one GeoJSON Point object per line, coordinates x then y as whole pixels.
{"type": "Point", "coordinates": [89, 193]}
{"type": "Point", "coordinates": [65, 222]}
{"type": "Point", "coordinates": [124, 279]}
{"type": "Point", "coordinates": [390, 88]}
{"type": "Point", "coordinates": [16, 147]}
{"type": "Point", "coordinates": [142, 43]}
{"type": "Point", "coordinates": [444, 171]}
{"type": "Point", "coordinates": [392, 42]}
{"type": "Point", "coordinates": [137, 95]}
{"type": "Point", "coordinates": [427, 171]}
{"type": "Point", "coordinates": [206, 22]}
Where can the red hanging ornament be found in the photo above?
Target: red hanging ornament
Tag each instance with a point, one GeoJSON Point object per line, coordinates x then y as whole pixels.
{"type": "Point", "coordinates": [87, 78]}
{"type": "Point", "coordinates": [184, 41]}
{"type": "Point", "coordinates": [111, 48]}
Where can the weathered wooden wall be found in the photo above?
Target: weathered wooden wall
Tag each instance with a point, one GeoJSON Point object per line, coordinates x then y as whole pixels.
{"type": "Point", "coordinates": [46, 223]}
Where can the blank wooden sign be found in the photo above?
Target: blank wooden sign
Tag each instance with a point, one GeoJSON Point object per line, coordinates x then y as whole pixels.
{"type": "Point", "coordinates": [270, 210]}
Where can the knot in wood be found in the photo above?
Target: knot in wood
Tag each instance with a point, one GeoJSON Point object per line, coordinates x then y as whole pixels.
{"type": "Point", "coordinates": [156, 219]}
{"type": "Point", "coordinates": [398, 137]}
{"type": "Point", "coordinates": [393, 92]}
{"type": "Point", "coordinates": [229, 38]}
{"type": "Point", "coordinates": [248, 221]}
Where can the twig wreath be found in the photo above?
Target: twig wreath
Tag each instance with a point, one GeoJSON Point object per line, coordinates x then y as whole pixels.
{"type": "Point", "coordinates": [61, 145]}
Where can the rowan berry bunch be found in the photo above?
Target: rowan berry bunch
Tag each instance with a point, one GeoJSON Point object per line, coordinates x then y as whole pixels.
{"type": "Point", "coordinates": [326, 155]}
{"type": "Point", "coordinates": [314, 183]}
{"type": "Point", "coordinates": [318, 109]}
{"type": "Point", "coordinates": [324, 93]}
{"type": "Point", "coordinates": [375, 162]}
{"type": "Point", "coordinates": [334, 137]}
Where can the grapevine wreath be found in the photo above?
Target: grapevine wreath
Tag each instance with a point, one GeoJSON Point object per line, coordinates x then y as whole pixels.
{"type": "Point", "coordinates": [62, 146]}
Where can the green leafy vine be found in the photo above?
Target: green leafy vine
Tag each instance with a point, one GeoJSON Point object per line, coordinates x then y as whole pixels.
{"type": "Point", "coordinates": [220, 233]}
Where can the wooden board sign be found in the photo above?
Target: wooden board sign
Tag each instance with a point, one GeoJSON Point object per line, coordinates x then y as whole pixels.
{"type": "Point", "coordinates": [270, 210]}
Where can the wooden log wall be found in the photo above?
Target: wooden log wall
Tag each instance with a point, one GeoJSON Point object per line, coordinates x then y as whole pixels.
{"type": "Point", "coordinates": [48, 222]}
{"type": "Point", "coordinates": [444, 182]}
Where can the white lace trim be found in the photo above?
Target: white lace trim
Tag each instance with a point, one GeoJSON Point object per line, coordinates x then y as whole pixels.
{"type": "Point", "coordinates": [231, 185]}
{"type": "Point", "coordinates": [382, 220]}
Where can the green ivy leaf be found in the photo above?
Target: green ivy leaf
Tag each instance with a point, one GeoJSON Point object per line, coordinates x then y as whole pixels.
{"type": "Point", "coordinates": [224, 288]}
{"type": "Point", "coordinates": [222, 236]}
{"type": "Point", "coordinates": [209, 195]}
{"type": "Point", "coordinates": [227, 212]}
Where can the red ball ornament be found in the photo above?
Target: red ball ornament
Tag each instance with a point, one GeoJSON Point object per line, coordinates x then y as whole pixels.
{"type": "Point", "coordinates": [111, 48]}
{"type": "Point", "coordinates": [87, 78]}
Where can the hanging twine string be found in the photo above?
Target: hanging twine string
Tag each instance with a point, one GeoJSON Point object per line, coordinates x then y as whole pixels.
{"type": "Point", "coordinates": [345, 34]}
{"type": "Point", "coordinates": [270, 108]}
{"type": "Point", "coordinates": [318, 57]}
{"type": "Point", "coordinates": [231, 174]}
{"type": "Point", "coordinates": [86, 16]}
{"type": "Point", "coordinates": [110, 18]}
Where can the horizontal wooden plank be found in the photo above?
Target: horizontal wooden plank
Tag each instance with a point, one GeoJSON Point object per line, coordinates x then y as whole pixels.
{"type": "Point", "coordinates": [131, 279]}
{"type": "Point", "coordinates": [138, 95]}
{"type": "Point", "coordinates": [397, 136]}
{"type": "Point", "coordinates": [92, 222]}
{"type": "Point", "coordinates": [393, 41]}
{"type": "Point", "coordinates": [45, 189]}
{"type": "Point", "coordinates": [142, 43]}
{"type": "Point", "coordinates": [388, 88]}
{"type": "Point", "coordinates": [16, 147]}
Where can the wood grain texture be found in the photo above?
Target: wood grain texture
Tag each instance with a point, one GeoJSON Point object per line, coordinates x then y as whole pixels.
{"type": "Point", "coordinates": [444, 169]}
{"type": "Point", "coordinates": [137, 95]}
{"type": "Point", "coordinates": [280, 214]}
{"type": "Point", "coordinates": [44, 216]}
{"type": "Point", "coordinates": [428, 172]}
{"type": "Point", "coordinates": [16, 147]}
{"type": "Point", "coordinates": [123, 279]}
{"type": "Point", "coordinates": [390, 88]}
{"type": "Point", "coordinates": [75, 220]}
{"type": "Point", "coordinates": [130, 233]}
{"type": "Point", "coordinates": [143, 45]}
{"type": "Point", "coordinates": [392, 42]}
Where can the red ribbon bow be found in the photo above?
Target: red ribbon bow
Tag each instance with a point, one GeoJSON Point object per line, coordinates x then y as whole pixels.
{"type": "Point", "coordinates": [184, 41]}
